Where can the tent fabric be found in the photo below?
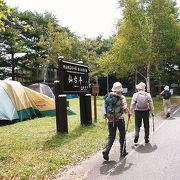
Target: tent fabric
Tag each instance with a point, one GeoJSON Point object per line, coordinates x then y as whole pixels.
{"type": "Point", "coordinates": [19, 98]}
{"type": "Point", "coordinates": [19, 102]}
{"type": "Point", "coordinates": [8, 110]}
{"type": "Point", "coordinates": [43, 105]}
{"type": "Point", "coordinates": [43, 89]}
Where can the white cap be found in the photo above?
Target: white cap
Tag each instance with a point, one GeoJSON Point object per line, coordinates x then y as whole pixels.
{"type": "Point", "coordinates": [117, 86]}
{"type": "Point", "coordinates": [166, 88]}
{"type": "Point", "coordinates": [141, 86]}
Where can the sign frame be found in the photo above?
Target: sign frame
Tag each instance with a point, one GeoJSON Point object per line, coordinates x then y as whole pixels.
{"type": "Point", "coordinates": [73, 77]}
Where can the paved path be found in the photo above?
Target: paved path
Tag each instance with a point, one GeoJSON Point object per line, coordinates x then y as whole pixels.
{"type": "Point", "coordinates": [157, 160]}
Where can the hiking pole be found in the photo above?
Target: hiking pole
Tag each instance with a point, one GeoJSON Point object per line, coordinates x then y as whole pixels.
{"type": "Point", "coordinates": [153, 120]}
{"type": "Point", "coordinates": [126, 132]}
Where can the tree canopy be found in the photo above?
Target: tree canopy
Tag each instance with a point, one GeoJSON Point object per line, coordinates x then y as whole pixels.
{"type": "Point", "coordinates": [145, 47]}
{"type": "Point", "coordinates": [147, 39]}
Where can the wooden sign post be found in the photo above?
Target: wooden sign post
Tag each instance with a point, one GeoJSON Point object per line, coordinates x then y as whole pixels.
{"type": "Point", "coordinates": [73, 79]}
{"type": "Point", "coordinates": [95, 91]}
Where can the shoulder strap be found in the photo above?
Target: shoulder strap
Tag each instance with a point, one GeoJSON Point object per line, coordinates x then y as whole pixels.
{"type": "Point", "coordinates": [146, 94]}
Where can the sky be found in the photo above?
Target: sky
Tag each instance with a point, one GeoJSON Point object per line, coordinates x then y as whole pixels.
{"type": "Point", "coordinates": [86, 18]}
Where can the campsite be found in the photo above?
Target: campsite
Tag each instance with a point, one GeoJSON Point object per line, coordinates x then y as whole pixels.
{"type": "Point", "coordinates": [20, 103]}
{"type": "Point", "coordinates": [33, 150]}
{"type": "Point", "coordinates": [55, 74]}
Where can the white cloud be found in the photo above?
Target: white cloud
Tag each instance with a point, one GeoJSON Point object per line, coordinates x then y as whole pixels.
{"type": "Point", "coordinates": [84, 17]}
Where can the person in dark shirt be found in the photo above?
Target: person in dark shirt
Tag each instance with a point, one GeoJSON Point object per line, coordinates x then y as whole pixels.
{"type": "Point", "coordinates": [166, 94]}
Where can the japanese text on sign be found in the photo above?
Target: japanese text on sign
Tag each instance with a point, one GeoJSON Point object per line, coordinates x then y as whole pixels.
{"type": "Point", "coordinates": [75, 77]}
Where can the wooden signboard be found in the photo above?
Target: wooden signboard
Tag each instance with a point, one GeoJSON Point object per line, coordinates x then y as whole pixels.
{"type": "Point", "coordinates": [95, 89]}
{"type": "Point", "coordinates": [73, 78]}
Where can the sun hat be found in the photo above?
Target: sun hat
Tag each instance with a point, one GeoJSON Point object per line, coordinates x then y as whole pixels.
{"type": "Point", "coordinates": [117, 86]}
{"type": "Point", "coordinates": [141, 86]}
{"type": "Point", "coordinates": [166, 88]}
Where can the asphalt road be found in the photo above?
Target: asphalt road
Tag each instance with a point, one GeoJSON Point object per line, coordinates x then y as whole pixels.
{"type": "Point", "coordinates": [157, 160]}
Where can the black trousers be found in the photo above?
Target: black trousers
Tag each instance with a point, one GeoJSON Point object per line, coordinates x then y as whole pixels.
{"type": "Point", "coordinates": [112, 127]}
{"type": "Point", "coordinates": [139, 117]}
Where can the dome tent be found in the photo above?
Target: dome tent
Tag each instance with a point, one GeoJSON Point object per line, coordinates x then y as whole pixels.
{"type": "Point", "coordinates": [43, 89]}
{"type": "Point", "coordinates": [19, 102]}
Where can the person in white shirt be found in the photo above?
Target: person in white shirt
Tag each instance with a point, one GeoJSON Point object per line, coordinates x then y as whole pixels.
{"type": "Point", "coordinates": [141, 104]}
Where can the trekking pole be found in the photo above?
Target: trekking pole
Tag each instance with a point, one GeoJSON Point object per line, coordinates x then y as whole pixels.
{"type": "Point", "coordinates": [153, 120]}
{"type": "Point", "coordinates": [126, 132]}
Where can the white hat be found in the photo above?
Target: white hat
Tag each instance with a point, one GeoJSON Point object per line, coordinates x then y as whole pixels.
{"type": "Point", "coordinates": [166, 88]}
{"type": "Point", "coordinates": [117, 86]}
{"type": "Point", "coordinates": [141, 85]}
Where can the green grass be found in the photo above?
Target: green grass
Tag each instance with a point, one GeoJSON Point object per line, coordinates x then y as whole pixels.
{"type": "Point", "coordinates": [32, 149]}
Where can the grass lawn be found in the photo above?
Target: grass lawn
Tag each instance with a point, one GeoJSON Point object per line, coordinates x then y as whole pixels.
{"type": "Point", "coordinates": [32, 149]}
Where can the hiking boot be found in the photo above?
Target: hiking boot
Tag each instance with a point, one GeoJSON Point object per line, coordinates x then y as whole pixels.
{"type": "Point", "coordinates": [123, 154]}
{"type": "Point", "coordinates": [146, 140]}
{"type": "Point", "coordinates": [105, 156]}
{"type": "Point", "coordinates": [136, 139]}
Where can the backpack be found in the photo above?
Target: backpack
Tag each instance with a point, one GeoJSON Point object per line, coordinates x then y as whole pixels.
{"type": "Point", "coordinates": [142, 102]}
{"type": "Point", "coordinates": [113, 109]}
{"type": "Point", "coordinates": [166, 94]}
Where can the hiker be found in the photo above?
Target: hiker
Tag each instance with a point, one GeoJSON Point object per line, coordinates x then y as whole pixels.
{"type": "Point", "coordinates": [166, 94]}
{"type": "Point", "coordinates": [114, 109]}
{"type": "Point", "coordinates": [141, 104]}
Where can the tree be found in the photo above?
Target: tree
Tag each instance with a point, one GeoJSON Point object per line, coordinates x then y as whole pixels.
{"type": "Point", "coordinates": [12, 45]}
{"type": "Point", "coordinates": [92, 49]}
{"type": "Point", "coordinates": [146, 39]}
{"type": "Point", "coordinates": [5, 11]}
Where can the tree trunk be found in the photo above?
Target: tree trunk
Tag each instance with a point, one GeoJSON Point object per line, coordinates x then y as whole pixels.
{"type": "Point", "coordinates": [148, 79]}
{"type": "Point", "coordinates": [159, 80]}
{"type": "Point", "coordinates": [13, 67]}
{"type": "Point", "coordinates": [135, 78]}
{"type": "Point", "coordinates": [107, 84]}
{"type": "Point", "coordinates": [159, 85]}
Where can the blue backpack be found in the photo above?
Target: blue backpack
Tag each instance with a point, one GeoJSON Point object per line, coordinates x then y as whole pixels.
{"type": "Point", "coordinates": [112, 109]}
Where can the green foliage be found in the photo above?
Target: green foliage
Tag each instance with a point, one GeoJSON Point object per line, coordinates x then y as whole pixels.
{"type": "Point", "coordinates": [5, 11]}
{"type": "Point", "coordinates": [13, 45]}
{"type": "Point", "coordinates": [147, 39]}
{"type": "Point", "coordinates": [92, 50]}
{"type": "Point", "coordinates": [33, 40]}
{"type": "Point", "coordinates": [57, 42]}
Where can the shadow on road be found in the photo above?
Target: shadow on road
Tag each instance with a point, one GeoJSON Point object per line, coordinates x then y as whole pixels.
{"type": "Point", "coordinates": [171, 118]}
{"type": "Point", "coordinates": [115, 168]}
{"type": "Point", "coordinates": [147, 148]}
{"type": "Point", "coordinates": [106, 166]}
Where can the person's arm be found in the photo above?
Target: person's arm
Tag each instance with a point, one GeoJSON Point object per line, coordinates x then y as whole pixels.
{"type": "Point", "coordinates": [162, 93]}
{"type": "Point", "coordinates": [124, 105]}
